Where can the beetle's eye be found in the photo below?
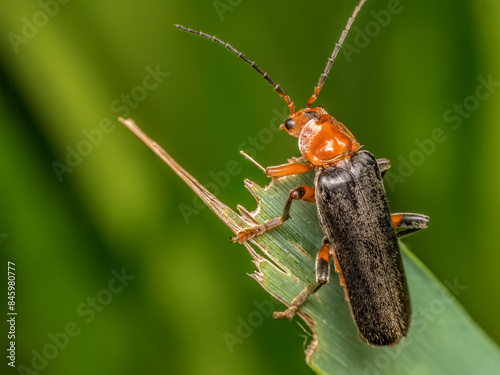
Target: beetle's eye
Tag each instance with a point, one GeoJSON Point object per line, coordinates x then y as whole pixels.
{"type": "Point", "coordinates": [289, 123]}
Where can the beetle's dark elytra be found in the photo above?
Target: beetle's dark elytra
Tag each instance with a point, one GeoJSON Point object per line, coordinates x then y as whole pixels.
{"type": "Point", "coordinates": [355, 216]}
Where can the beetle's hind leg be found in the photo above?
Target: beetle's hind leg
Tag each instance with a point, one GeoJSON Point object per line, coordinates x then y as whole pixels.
{"type": "Point", "coordinates": [322, 277]}
{"type": "Point", "coordinates": [303, 192]}
{"type": "Point", "coordinates": [410, 222]}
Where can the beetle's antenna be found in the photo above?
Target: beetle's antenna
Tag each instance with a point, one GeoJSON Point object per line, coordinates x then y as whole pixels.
{"type": "Point", "coordinates": [276, 87]}
{"type": "Point", "coordinates": [329, 64]}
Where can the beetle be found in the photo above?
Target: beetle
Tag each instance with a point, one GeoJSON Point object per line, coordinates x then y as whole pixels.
{"type": "Point", "coordinates": [359, 229]}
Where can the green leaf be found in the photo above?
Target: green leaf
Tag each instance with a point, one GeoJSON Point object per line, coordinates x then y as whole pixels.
{"type": "Point", "coordinates": [443, 339]}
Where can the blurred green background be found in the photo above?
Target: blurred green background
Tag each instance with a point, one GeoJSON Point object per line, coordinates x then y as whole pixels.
{"type": "Point", "coordinates": [68, 69]}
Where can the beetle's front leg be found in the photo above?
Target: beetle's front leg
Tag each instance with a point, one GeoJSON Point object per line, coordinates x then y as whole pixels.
{"type": "Point", "coordinates": [288, 169]}
{"type": "Point", "coordinates": [322, 277]}
{"type": "Point", "coordinates": [303, 192]}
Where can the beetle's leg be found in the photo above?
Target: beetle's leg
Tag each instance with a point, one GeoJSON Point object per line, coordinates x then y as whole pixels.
{"type": "Point", "coordinates": [303, 192]}
{"type": "Point", "coordinates": [322, 277]}
{"type": "Point", "coordinates": [325, 253]}
{"type": "Point", "coordinates": [411, 223]}
{"type": "Point", "coordinates": [384, 165]}
{"type": "Point", "coordinates": [288, 169]}
{"type": "Point", "coordinates": [341, 275]}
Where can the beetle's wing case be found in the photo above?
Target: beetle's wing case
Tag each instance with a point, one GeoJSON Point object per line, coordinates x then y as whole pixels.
{"type": "Point", "coordinates": [354, 214]}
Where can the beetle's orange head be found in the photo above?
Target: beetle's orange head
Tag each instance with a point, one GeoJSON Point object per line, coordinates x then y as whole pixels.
{"type": "Point", "coordinates": [294, 124]}
{"type": "Point", "coordinates": [322, 139]}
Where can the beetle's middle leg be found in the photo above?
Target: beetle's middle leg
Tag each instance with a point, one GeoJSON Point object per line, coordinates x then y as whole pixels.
{"type": "Point", "coordinates": [384, 165]}
{"type": "Point", "coordinates": [410, 222]}
{"type": "Point", "coordinates": [322, 277]}
{"type": "Point", "coordinates": [302, 192]}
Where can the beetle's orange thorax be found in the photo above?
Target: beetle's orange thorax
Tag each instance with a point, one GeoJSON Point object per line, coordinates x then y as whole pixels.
{"type": "Point", "coordinates": [322, 139]}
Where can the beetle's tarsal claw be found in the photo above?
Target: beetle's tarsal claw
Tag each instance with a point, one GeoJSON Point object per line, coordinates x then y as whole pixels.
{"type": "Point", "coordinates": [296, 303]}
{"type": "Point", "coordinates": [287, 314]}
{"type": "Point", "coordinates": [248, 233]}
